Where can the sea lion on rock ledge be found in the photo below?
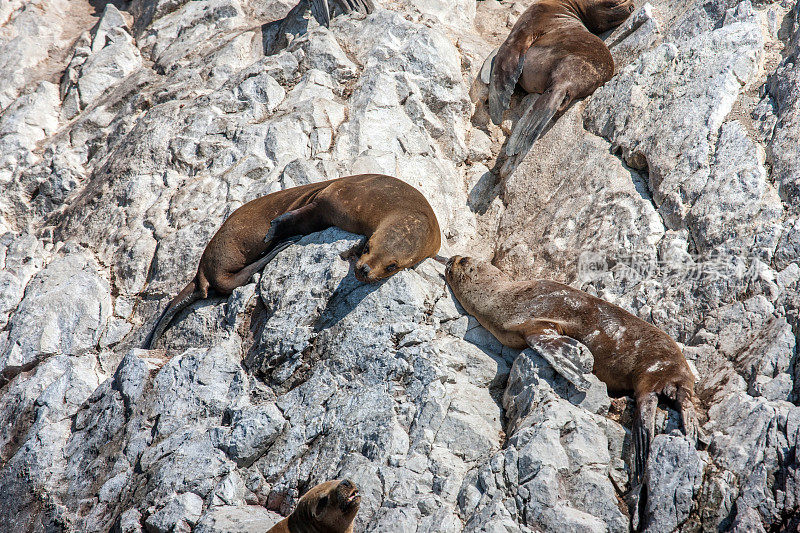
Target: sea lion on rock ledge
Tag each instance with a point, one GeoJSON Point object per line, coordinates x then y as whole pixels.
{"type": "Point", "coordinates": [552, 50]}
{"type": "Point", "coordinates": [629, 353]}
{"type": "Point", "coordinates": [399, 223]}
{"type": "Point", "coordinates": [329, 507]}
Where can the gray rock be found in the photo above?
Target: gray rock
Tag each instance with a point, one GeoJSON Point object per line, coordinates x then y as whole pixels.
{"type": "Point", "coordinates": [180, 514]}
{"type": "Point", "coordinates": [674, 141]}
{"type": "Point", "coordinates": [784, 93]}
{"type": "Point", "coordinates": [172, 115]}
{"type": "Point", "coordinates": [64, 310]}
{"type": "Point", "coordinates": [244, 519]}
{"type": "Point", "coordinates": [674, 474]}
{"type": "Point", "coordinates": [21, 256]}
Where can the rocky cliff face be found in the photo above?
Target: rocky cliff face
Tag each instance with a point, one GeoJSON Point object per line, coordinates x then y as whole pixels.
{"type": "Point", "coordinates": [130, 130]}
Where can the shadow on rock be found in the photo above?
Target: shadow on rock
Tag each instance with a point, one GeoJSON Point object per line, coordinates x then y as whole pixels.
{"type": "Point", "coordinates": [345, 298]}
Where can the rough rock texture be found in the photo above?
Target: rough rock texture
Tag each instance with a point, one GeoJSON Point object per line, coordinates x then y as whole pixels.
{"type": "Point", "coordinates": [130, 130]}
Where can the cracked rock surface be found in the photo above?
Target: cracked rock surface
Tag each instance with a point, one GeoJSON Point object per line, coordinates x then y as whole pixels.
{"type": "Point", "coordinates": [130, 130]}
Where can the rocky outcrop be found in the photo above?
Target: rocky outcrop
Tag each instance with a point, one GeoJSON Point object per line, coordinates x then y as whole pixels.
{"type": "Point", "coordinates": [132, 129]}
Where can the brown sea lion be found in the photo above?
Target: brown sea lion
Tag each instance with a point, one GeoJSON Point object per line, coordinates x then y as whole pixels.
{"type": "Point", "coordinates": [629, 353]}
{"type": "Point", "coordinates": [552, 50]}
{"type": "Point", "coordinates": [329, 507]}
{"type": "Point", "coordinates": [400, 226]}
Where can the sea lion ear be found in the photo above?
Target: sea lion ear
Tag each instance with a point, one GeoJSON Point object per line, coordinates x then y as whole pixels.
{"type": "Point", "coordinates": [319, 508]}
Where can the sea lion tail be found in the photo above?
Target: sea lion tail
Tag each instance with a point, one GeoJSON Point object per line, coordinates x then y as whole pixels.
{"type": "Point", "coordinates": [534, 120]}
{"type": "Point", "coordinates": [186, 297]}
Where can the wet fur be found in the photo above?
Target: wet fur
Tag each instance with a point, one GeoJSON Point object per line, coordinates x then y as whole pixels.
{"type": "Point", "coordinates": [399, 223]}
{"type": "Point", "coordinates": [630, 355]}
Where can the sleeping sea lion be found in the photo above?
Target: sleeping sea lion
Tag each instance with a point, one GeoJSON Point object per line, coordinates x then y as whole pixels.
{"type": "Point", "coordinates": [399, 223]}
{"type": "Point", "coordinates": [629, 353]}
{"type": "Point", "coordinates": [552, 50]}
{"type": "Point", "coordinates": [329, 507]}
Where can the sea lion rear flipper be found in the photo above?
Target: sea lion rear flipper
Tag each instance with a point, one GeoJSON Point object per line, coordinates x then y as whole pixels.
{"type": "Point", "coordinates": [186, 297]}
{"type": "Point", "coordinates": [643, 429]}
{"type": "Point", "coordinates": [534, 120]}
{"type": "Point", "coordinates": [321, 12]}
{"type": "Point", "coordinates": [554, 348]}
{"type": "Point", "coordinates": [688, 415]}
{"type": "Point", "coordinates": [321, 9]}
{"type": "Point", "coordinates": [363, 6]}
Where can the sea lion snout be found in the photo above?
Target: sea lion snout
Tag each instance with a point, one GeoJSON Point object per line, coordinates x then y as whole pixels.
{"type": "Point", "coordinates": [348, 496]}
{"type": "Point", "coordinates": [448, 268]}
{"type": "Point", "coordinates": [362, 272]}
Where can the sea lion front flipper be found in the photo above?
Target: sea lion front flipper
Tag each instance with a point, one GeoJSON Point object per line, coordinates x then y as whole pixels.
{"type": "Point", "coordinates": [184, 299]}
{"type": "Point", "coordinates": [243, 276]}
{"type": "Point", "coordinates": [691, 427]}
{"type": "Point", "coordinates": [534, 120]}
{"type": "Point", "coordinates": [643, 429]}
{"type": "Point", "coordinates": [506, 70]}
{"type": "Point", "coordinates": [300, 221]}
{"type": "Point", "coordinates": [321, 12]}
{"type": "Point", "coordinates": [554, 348]}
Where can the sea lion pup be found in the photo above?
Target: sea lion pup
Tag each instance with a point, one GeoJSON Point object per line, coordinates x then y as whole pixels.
{"type": "Point", "coordinates": [321, 9]}
{"type": "Point", "coordinates": [552, 50]}
{"type": "Point", "coordinates": [629, 353]}
{"type": "Point", "coordinates": [399, 223]}
{"type": "Point", "coordinates": [329, 507]}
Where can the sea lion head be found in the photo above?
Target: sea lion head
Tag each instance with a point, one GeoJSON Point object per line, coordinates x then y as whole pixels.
{"type": "Point", "coordinates": [462, 272]}
{"type": "Point", "coordinates": [603, 15]}
{"type": "Point", "coordinates": [395, 245]}
{"type": "Point", "coordinates": [330, 506]}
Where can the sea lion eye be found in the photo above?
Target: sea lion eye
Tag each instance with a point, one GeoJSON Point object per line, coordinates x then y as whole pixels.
{"type": "Point", "coordinates": [391, 267]}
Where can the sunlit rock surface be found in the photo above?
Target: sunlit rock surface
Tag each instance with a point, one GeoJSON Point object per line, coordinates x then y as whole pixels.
{"type": "Point", "coordinates": [130, 130]}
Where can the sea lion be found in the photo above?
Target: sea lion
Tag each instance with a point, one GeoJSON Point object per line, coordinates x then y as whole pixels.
{"type": "Point", "coordinates": [321, 9]}
{"type": "Point", "coordinates": [629, 353]}
{"type": "Point", "coordinates": [552, 50]}
{"type": "Point", "coordinates": [329, 507]}
{"type": "Point", "coordinates": [399, 223]}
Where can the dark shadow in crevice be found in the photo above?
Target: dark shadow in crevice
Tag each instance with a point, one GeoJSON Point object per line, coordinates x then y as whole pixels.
{"type": "Point", "coordinates": [100, 5]}
{"type": "Point", "coordinates": [274, 35]}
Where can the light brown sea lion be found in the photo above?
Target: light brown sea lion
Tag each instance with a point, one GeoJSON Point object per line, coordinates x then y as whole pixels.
{"type": "Point", "coordinates": [329, 507]}
{"type": "Point", "coordinates": [399, 223]}
{"type": "Point", "coordinates": [629, 353]}
{"type": "Point", "coordinates": [552, 50]}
